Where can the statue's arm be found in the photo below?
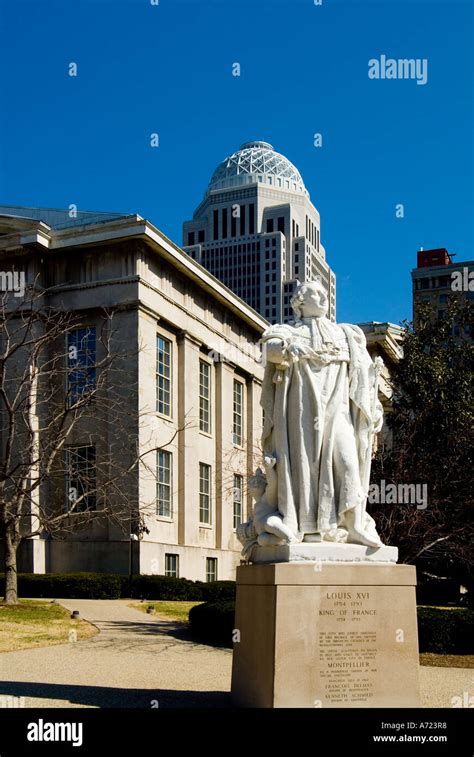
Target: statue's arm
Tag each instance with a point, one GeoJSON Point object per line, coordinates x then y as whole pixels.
{"type": "Point", "coordinates": [378, 417]}
{"type": "Point", "coordinates": [271, 491]}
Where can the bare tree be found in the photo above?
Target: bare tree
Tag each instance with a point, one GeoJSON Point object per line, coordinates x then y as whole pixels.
{"type": "Point", "coordinates": [231, 464]}
{"type": "Point", "coordinates": [69, 421]}
{"type": "Point", "coordinates": [433, 429]}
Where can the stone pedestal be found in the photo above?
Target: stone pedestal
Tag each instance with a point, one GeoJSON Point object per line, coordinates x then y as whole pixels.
{"type": "Point", "coordinates": [326, 635]}
{"type": "Point", "coordinates": [324, 552]}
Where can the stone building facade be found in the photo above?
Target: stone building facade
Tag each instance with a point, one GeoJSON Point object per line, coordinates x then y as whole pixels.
{"type": "Point", "coordinates": [199, 378]}
{"type": "Point", "coordinates": [384, 340]}
{"type": "Point", "coordinates": [437, 279]}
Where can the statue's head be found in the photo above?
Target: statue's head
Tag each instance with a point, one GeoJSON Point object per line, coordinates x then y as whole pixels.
{"type": "Point", "coordinates": [257, 484]}
{"type": "Point", "coordinates": [310, 299]}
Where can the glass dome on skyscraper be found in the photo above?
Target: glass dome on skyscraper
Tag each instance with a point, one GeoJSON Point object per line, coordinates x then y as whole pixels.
{"type": "Point", "coordinates": [257, 162]}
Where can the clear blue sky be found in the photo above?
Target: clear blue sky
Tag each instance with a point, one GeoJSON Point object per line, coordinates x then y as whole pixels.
{"type": "Point", "coordinates": [304, 69]}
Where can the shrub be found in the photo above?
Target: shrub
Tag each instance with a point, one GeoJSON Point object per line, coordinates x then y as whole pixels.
{"type": "Point", "coordinates": [446, 631]}
{"type": "Point", "coordinates": [213, 621]}
{"type": "Point", "coordinates": [113, 586]}
{"type": "Point", "coordinates": [216, 591]}
{"type": "Point", "coordinates": [162, 587]}
{"type": "Point", "coordinates": [437, 592]}
{"type": "Point", "coordinates": [68, 585]}
{"type": "Point", "coordinates": [467, 599]}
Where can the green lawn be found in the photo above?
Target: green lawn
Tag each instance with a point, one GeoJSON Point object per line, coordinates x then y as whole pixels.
{"type": "Point", "coordinates": [447, 660]}
{"type": "Point", "coordinates": [38, 623]}
{"type": "Point", "coordinates": [452, 608]}
{"type": "Point", "coordinates": [172, 610]}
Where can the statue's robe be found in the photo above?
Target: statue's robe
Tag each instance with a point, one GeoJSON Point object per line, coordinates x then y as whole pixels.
{"type": "Point", "coordinates": [318, 423]}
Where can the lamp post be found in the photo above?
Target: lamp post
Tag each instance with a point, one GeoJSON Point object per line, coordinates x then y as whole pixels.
{"type": "Point", "coordinates": [133, 537]}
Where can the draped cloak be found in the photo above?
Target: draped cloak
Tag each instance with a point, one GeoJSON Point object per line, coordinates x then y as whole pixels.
{"type": "Point", "coordinates": [318, 423]}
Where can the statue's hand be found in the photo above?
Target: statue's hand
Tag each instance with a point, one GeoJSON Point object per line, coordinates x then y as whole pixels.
{"type": "Point", "coordinates": [269, 461]}
{"type": "Point", "coordinates": [295, 350]}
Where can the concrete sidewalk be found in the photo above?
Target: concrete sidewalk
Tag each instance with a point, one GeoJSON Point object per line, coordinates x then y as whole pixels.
{"type": "Point", "coordinates": [139, 660]}
{"type": "Point", "coordinates": [135, 661]}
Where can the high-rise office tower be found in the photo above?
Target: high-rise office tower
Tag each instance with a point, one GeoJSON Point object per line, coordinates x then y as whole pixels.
{"type": "Point", "coordinates": [258, 232]}
{"type": "Point", "coordinates": [437, 278]}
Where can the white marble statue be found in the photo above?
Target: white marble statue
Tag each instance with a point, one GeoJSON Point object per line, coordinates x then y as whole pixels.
{"type": "Point", "coordinates": [321, 410]}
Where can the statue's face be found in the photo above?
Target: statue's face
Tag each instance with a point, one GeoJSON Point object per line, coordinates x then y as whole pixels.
{"type": "Point", "coordinates": [315, 302]}
{"type": "Point", "coordinates": [257, 488]}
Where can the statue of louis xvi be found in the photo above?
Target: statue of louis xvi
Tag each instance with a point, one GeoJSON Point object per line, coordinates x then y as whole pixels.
{"type": "Point", "coordinates": [321, 411]}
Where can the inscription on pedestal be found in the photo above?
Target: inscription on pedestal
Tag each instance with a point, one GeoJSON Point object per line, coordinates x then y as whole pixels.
{"type": "Point", "coordinates": [347, 646]}
{"type": "Point", "coordinates": [327, 638]}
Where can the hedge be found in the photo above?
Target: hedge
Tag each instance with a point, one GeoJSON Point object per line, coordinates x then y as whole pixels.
{"type": "Point", "coordinates": [114, 586]}
{"type": "Point", "coordinates": [437, 593]}
{"type": "Point", "coordinates": [68, 585]}
{"type": "Point", "coordinates": [213, 621]}
{"type": "Point", "coordinates": [163, 587]}
{"type": "Point", "coordinates": [446, 631]}
{"type": "Point", "coordinates": [217, 591]}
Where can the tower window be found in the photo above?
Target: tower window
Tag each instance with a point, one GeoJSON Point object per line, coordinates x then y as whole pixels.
{"type": "Point", "coordinates": [224, 222]}
{"type": "Point", "coordinates": [251, 218]}
{"type": "Point", "coordinates": [242, 220]}
{"type": "Point", "coordinates": [269, 225]}
{"type": "Point", "coordinates": [216, 224]}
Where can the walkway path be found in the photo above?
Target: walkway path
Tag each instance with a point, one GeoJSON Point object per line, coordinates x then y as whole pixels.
{"type": "Point", "coordinates": [139, 660]}
{"type": "Point", "coordinates": [135, 660]}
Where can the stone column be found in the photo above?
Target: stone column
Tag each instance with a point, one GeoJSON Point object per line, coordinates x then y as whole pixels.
{"type": "Point", "coordinates": [188, 435]}
{"type": "Point", "coordinates": [253, 434]}
{"type": "Point", "coordinates": [224, 376]}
